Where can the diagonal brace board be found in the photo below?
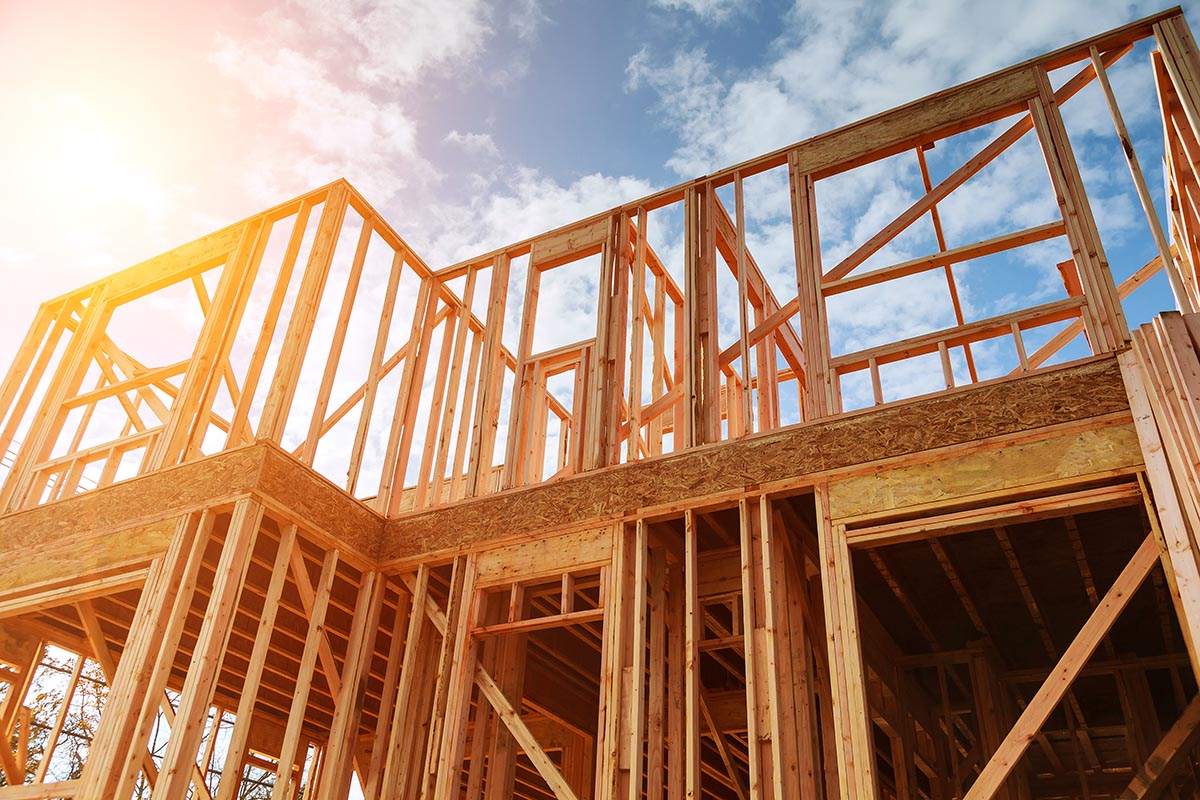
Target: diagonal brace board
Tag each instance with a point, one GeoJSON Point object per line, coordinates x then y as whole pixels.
{"type": "Point", "coordinates": [1069, 666]}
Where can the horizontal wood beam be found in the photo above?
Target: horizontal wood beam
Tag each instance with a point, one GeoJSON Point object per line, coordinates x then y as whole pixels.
{"type": "Point", "coordinates": [792, 455]}
{"type": "Point", "coordinates": [955, 255]}
{"type": "Point", "coordinates": [541, 623]}
{"type": "Point", "coordinates": [40, 791]}
{"type": "Point", "coordinates": [1019, 511]}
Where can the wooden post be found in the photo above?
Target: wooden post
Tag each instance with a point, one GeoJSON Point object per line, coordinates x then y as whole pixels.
{"type": "Point", "coordinates": [304, 675]}
{"type": "Point", "coordinates": [658, 666]}
{"type": "Point", "coordinates": [236, 750]}
{"type": "Point", "coordinates": [194, 701]}
{"type": "Point", "coordinates": [758, 699]}
{"type": "Point", "coordinates": [612, 775]}
{"type": "Point", "coordinates": [510, 679]}
{"type": "Point", "coordinates": [371, 389]}
{"type": "Point", "coordinates": [316, 423]}
{"type": "Point", "coordinates": [821, 384]}
{"type": "Point", "coordinates": [360, 650]}
{"type": "Point", "coordinates": [607, 385]}
{"type": "Point", "coordinates": [1094, 274]}
{"type": "Point", "coordinates": [637, 366]}
{"type": "Point", "coordinates": [459, 673]}
{"type": "Point", "coordinates": [702, 420]}
{"type": "Point", "coordinates": [693, 632]}
{"type": "Point", "coordinates": [1167, 517]}
{"type": "Point", "coordinates": [191, 413]}
{"type": "Point", "coordinates": [491, 383]}
{"type": "Point", "coordinates": [636, 702]}
{"type": "Point", "coordinates": [404, 708]}
{"type": "Point", "coordinates": [146, 661]}
{"type": "Point", "coordinates": [239, 425]}
{"type": "Point", "coordinates": [518, 420]}
{"type": "Point", "coordinates": [850, 717]}
{"type": "Point", "coordinates": [300, 326]}
{"type": "Point", "coordinates": [408, 398]}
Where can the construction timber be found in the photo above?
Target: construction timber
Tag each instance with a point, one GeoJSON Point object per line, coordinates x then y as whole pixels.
{"type": "Point", "coordinates": [355, 537]}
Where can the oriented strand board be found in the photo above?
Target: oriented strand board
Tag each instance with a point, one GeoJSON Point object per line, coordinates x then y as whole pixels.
{"type": "Point", "coordinates": [260, 469]}
{"type": "Point", "coordinates": [96, 554]}
{"type": "Point", "coordinates": [157, 496]}
{"type": "Point", "coordinates": [1075, 455]}
{"type": "Point", "coordinates": [560, 554]}
{"type": "Point", "coordinates": [954, 109]}
{"type": "Point", "coordinates": [1004, 408]}
{"type": "Point", "coordinates": [315, 502]}
{"type": "Point", "coordinates": [15, 644]}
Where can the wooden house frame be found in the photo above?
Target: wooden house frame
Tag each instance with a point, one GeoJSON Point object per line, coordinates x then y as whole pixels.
{"type": "Point", "coordinates": [360, 536]}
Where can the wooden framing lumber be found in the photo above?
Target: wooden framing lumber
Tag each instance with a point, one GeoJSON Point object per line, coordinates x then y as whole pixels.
{"type": "Point", "coordinates": [1155, 774]}
{"type": "Point", "coordinates": [634, 563]}
{"type": "Point", "coordinates": [1074, 657]}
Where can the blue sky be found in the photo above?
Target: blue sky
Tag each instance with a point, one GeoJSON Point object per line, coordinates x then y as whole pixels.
{"type": "Point", "coordinates": [141, 125]}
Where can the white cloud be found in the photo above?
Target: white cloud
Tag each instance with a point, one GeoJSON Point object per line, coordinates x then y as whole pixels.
{"type": "Point", "coordinates": [329, 130]}
{"type": "Point", "coordinates": [836, 62]}
{"type": "Point", "coordinates": [396, 41]}
{"type": "Point", "coordinates": [711, 11]}
{"type": "Point", "coordinates": [334, 84]}
{"type": "Point", "coordinates": [527, 18]}
{"type": "Point", "coordinates": [518, 204]}
{"type": "Point", "coordinates": [478, 143]}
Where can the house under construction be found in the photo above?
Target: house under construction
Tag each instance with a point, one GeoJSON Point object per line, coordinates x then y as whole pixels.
{"type": "Point", "coordinates": [347, 532]}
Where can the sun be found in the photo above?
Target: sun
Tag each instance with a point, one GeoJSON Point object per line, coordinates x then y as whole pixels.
{"type": "Point", "coordinates": [90, 157]}
{"type": "Point", "coordinates": [86, 155]}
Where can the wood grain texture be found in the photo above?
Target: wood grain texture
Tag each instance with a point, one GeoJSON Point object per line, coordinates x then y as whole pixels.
{"type": "Point", "coordinates": [103, 520]}
{"type": "Point", "coordinates": [947, 112]}
{"type": "Point", "coordinates": [1062, 457]}
{"type": "Point", "coordinates": [64, 561]}
{"type": "Point", "coordinates": [137, 501]}
{"type": "Point", "coordinates": [1010, 407]}
{"type": "Point", "coordinates": [315, 502]}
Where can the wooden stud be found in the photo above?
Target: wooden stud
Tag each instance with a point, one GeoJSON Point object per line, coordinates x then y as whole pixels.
{"type": "Point", "coordinates": [316, 619]}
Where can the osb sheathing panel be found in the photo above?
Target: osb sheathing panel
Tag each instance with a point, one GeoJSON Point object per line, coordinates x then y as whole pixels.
{"type": "Point", "coordinates": [316, 502]}
{"type": "Point", "coordinates": [261, 469]}
{"type": "Point", "coordinates": [92, 554]}
{"type": "Point", "coordinates": [956, 108]}
{"type": "Point", "coordinates": [1008, 407]}
{"type": "Point", "coordinates": [554, 556]}
{"type": "Point", "coordinates": [15, 644]}
{"type": "Point", "coordinates": [1028, 464]}
{"type": "Point", "coordinates": [151, 497]}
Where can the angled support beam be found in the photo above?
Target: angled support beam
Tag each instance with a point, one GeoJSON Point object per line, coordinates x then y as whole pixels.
{"type": "Point", "coordinates": [520, 731]}
{"type": "Point", "coordinates": [1168, 757]}
{"type": "Point", "coordinates": [1072, 662]}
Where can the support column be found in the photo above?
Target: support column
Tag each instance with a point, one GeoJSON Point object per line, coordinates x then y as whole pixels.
{"type": "Point", "coordinates": [617, 698]}
{"type": "Point", "coordinates": [702, 404]}
{"type": "Point", "coordinates": [850, 718]}
{"type": "Point", "coordinates": [175, 775]}
{"type": "Point", "coordinates": [820, 390]}
{"type": "Point", "coordinates": [146, 662]}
